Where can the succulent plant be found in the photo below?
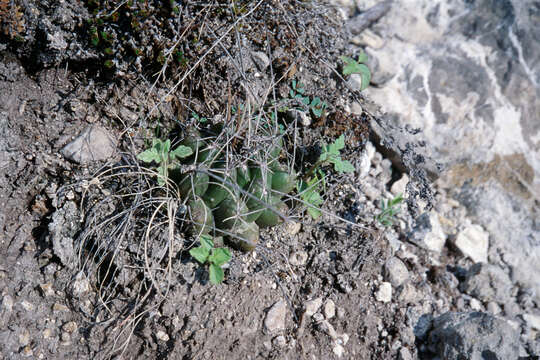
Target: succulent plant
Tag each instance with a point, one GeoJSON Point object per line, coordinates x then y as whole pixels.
{"type": "Point", "coordinates": [232, 201]}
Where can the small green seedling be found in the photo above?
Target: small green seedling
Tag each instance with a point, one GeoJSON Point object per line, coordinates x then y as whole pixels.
{"type": "Point", "coordinates": [310, 189]}
{"type": "Point", "coordinates": [316, 105]}
{"type": "Point", "coordinates": [389, 210]}
{"type": "Point", "coordinates": [160, 153]}
{"type": "Point", "coordinates": [330, 154]}
{"type": "Point", "coordinates": [196, 116]}
{"type": "Point", "coordinates": [297, 92]}
{"type": "Point", "coordinates": [216, 257]}
{"type": "Point", "coordinates": [357, 67]}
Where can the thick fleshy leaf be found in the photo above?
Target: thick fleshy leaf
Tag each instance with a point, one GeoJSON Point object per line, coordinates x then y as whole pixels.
{"type": "Point", "coordinates": [216, 274]}
{"type": "Point", "coordinates": [246, 236]}
{"type": "Point", "coordinates": [283, 181]}
{"type": "Point", "coordinates": [201, 216]}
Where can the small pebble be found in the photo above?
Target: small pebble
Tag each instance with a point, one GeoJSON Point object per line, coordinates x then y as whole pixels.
{"type": "Point", "coordinates": [27, 351]}
{"type": "Point", "coordinates": [328, 329]}
{"type": "Point", "coordinates": [312, 306]}
{"type": "Point", "coordinates": [384, 294]}
{"type": "Point", "coordinates": [47, 289]}
{"type": "Point", "coordinates": [70, 327]}
{"type": "Point", "coordinates": [65, 337]}
{"type": "Point", "coordinates": [275, 318]}
{"type": "Point", "coordinates": [293, 228]}
{"type": "Point", "coordinates": [28, 306]}
{"type": "Point", "coordinates": [318, 317]}
{"type": "Point", "coordinates": [24, 338]}
{"type": "Point", "coordinates": [476, 304]}
{"type": "Point", "coordinates": [162, 335]}
{"type": "Point", "coordinates": [338, 350]}
{"type": "Point", "coordinates": [59, 307]}
{"type": "Point", "coordinates": [298, 258]}
{"type": "Point", "coordinates": [279, 341]}
{"type": "Point", "coordinates": [47, 333]}
{"type": "Point", "coordinates": [404, 354]}
{"type": "Point", "coordinates": [493, 308]}
{"type": "Point", "coordinates": [329, 309]}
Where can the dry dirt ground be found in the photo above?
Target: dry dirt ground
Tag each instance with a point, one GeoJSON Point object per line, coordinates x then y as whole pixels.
{"type": "Point", "coordinates": [55, 82]}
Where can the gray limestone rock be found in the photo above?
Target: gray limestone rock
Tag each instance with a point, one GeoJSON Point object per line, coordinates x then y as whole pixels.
{"type": "Point", "coordinates": [275, 318]}
{"type": "Point", "coordinates": [428, 233]}
{"type": "Point", "coordinates": [468, 74]}
{"type": "Point", "coordinates": [93, 143]}
{"type": "Point", "coordinates": [473, 241]}
{"type": "Point", "coordinates": [473, 336]}
{"type": "Point", "coordinates": [487, 283]}
{"type": "Point", "coordinates": [63, 227]}
{"type": "Point", "coordinates": [396, 272]}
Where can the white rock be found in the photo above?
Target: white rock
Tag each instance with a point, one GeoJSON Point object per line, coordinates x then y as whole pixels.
{"type": "Point", "coordinates": [6, 305]}
{"type": "Point", "coordinates": [408, 294]}
{"type": "Point", "coordinates": [355, 82]}
{"type": "Point", "coordinates": [368, 38]}
{"type": "Point", "coordinates": [436, 238]}
{"type": "Point", "coordinates": [298, 258]}
{"type": "Point", "coordinates": [396, 272]}
{"type": "Point", "coordinates": [475, 304]}
{"type": "Point", "coordinates": [493, 308]}
{"type": "Point", "coordinates": [338, 350]}
{"type": "Point", "coordinates": [364, 164]}
{"type": "Point", "coordinates": [428, 232]}
{"type": "Point", "coordinates": [356, 108]}
{"type": "Point", "coordinates": [260, 59]}
{"type": "Point", "coordinates": [93, 143]}
{"type": "Point", "coordinates": [404, 354]}
{"type": "Point", "coordinates": [312, 306]}
{"type": "Point", "coordinates": [279, 341]}
{"type": "Point", "coordinates": [328, 329]}
{"type": "Point", "coordinates": [532, 320]}
{"type": "Point", "coordinates": [80, 285]}
{"type": "Point", "coordinates": [473, 242]}
{"type": "Point", "coordinates": [344, 338]}
{"type": "Point", "coordinates": [329, 309]}
{"type": "Point", "coordinates": [293, 227]}
{"type": "Point", "coordinates": [399, 186]}
{"type": "Point", "coordinates": [275, 318]}
{"type": "Point", "coordinates": [384, 294]}
{"type": "Point", "coordinates": [162, 335]}
{"type": "Point", "coordinates": [26, 305]}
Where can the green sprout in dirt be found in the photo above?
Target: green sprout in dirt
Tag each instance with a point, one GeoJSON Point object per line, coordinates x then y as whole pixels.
{"type": "Point", "coordinates": [316, 105]}
{"type": "Point", "coordinates": [389, 210]}
{"type": "Point", "coordinates": [160, 153]}
{"type": "Point", "coordinates": [200, 119]}
{"type": "Point", "coordinates": [310, 187]}
{"type": "Point", "coordinates": [215, 257]}
{"type": "Point", "coordinates": [357, 67]}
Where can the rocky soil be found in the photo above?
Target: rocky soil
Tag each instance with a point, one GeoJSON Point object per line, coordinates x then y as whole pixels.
{"type": "Point", "coordinates": [451, 120]}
